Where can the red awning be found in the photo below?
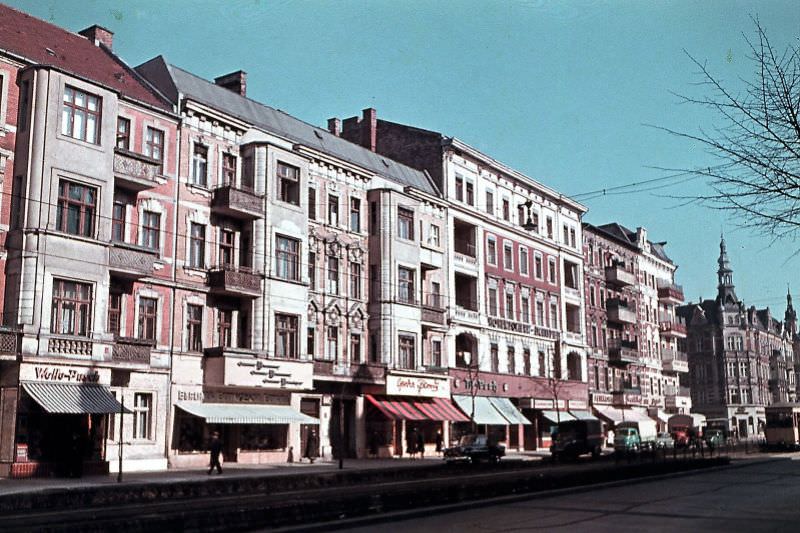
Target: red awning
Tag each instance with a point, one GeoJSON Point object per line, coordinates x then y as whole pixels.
{"type": "Point", "coordinates": [440, 409]}
{"type": "Point", "coordinates": [396, 409]}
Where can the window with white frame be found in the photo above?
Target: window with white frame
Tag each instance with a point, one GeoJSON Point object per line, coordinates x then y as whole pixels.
{"type": "Point", "coordinates": [154, 145]}
{"type": "Point", "coordinates": [405, 223]}
{"type": "Point", "coordinates": [80, 115]}
{"type": "Point", "coordinates": [199, 165]}
{"type": "Point", "coordinates": [538, 266]}
{"type": "Point", "coordinates": [510, 315]}
{"type": "Point", "coordinates": [71, 308]}
{"type": "Point", "coordinates": [405, 285]}
{"type": "Point", "coordinates": [524, 305]}
{"type": "Point", "coordinates": [197, 245]}
{"type": "Point", "coordinates": [286, 336]}
{"type": "Point", "coordinates": [148, 318]}
{"type": "Point", "coordinates": [523, 261]}
{"type": "Point", "coordinates": [332, 344]}
{"type": "Point", "coordinates": [434, 235]}
{"type": "Point", "coordinates": [491, 250]}
{"type": "Point", "coordinates": [142, 415]}
{"type": "Point", "coordinates": [508, 256]}
{"type": "Point", "coordinates": [333, 210]}
{"type": "Point", "coordinates": [492, 301]}
{"type": "Point", "coordinates": [288, 183]}
{"type": "Point", "coordinates": [406, 348]}
{"type": "Point", "coordinates": [287, 258]}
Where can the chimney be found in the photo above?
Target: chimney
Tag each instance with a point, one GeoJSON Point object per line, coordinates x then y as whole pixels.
{"type": "Point", "coordinates": [235, 81]}
{"type": "Point", "coordinates": [335, 126]}
{"type": "Point", "coordinates": [369, 128]}
{"type": "Point", "coordinates": [98, 34]}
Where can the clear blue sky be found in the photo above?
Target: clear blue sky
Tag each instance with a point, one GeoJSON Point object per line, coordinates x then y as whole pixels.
{"type": "Point", "coordinates": [561, 91]}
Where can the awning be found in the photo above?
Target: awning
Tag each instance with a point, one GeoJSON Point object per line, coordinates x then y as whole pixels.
{"type": "Point", "coordinates": [614, 415]}
{"type": "Point", "coordinates": [485, 413]}
{"type": "Point", "coordinates": [509, 411]}
{"type": "Point", "coordinates": [236, 413]}
{"type": "Point", "coordinates": [582, 415]}
{"type": "Point", "coordinates": [440, 409]}
{"type": "Point", "coordinates": [661, 416]}
{"type": "Point", "coordinates": [396, 409]}
{"type": "Point", "coordinates": [73, 398]}
{"type": "Point", "coordinates": [554, 416]}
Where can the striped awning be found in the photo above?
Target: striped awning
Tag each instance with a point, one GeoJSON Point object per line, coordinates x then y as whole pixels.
{"type": "Point", "coordinates": [396, 408]}
{"type": "Point", "coordinates": [73, 398]}
{"type": "Point", "coordinates": [234, 413]}
{"type": "Point", "coordinates": [614, 415]}
{"type": "Point", "coordinates": [440, 409]}
{"type": "Point", "coordinates": [582, 415]}
{"type": "Point", "coordinates": [556, 416]}
{"type": "Point", "coordinates": [509, 411]}
{"type": "Point", "coordinates": [482, 409]}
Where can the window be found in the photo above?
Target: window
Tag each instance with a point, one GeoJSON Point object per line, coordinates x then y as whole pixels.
{"type": "Point", "coordinates": [490, 202]}
{"type": "Point", "coordinates": [287, 258]}
{"type": "Point", "coordinates": [286, 336]}
{"type": "Point", "coordinates": [311, 341]}
{"type": "Point", "coordinates": [523, 261]}
{"type": "Point", "coordinates": [248, 172]}
{"type": "Point", "coordinates": [312, 203]}
{"type": "Point", "coordinates": [572, 237]}
{"type": "Point", "coordinates": [228, 169]}
{"type": "Point", "coordinates": [524, 305]}
{"type": "Point", "coordinates": [333, 275]}
{"type": "Point", "coordinates": [80, 115]}
{"type": "Point", "coordinates": [114, 313]}
{"type": "Point", "coordinates": [118, 222]}
{"type": "Point", "coordinates": [312, 270]}
{"type": "Point", "coordinates": [435, 296]}
{"type": "Point", "coordinates": [434, 235]}
{"type": "Point", "coordinates": [537, 266]}
{"type": "Point", "coordinates": [509, 306]}
{"type": "Point", "coordinates": [566, 234]}
{"type": "Point", "coordinates": [542, 364]}
{"type": "Point", "coordinates": [436, 353]}
{"type": "Point", "coordinates": [355, 214]}
{"type": "Point", "coordinates": [76, 208]}
{"type": "Point", "coordinates": [494, 358]}
{"type": "Point", "coordinates": [539, 313]}
{"type": "Point", "coordinates": [470, 193]}
{"type": "Point", "coordinates": [197, 245]}
{"type": "Point", "coordinates": [199, 165]}
{"type": "Point", "coordinates": [154, 144]}
{"type": "Point", "coordinates": [553, 315]}
{"type": "Point", "coordinates": [459, 189]}
{"type": "Point", "coordinates": [142, 415]}
{"type": "Point", "coordinates": [405, 224]}
{"type": "Point", "coordinates": [506, 209]}
{"type": "Point", "coordinates": [521, 214]}
{"type": "Point", "coordinates": [333, 210]}
{"type": "Point", "coordinates": [405, 283]}
{"type": "Point", "coordinates": [123, 133]}
{"type": "Point", "coordinates": [406, 355]}
{"type": "Point", "coordinates": [512, 363]}
{"type": "Point", "coordinates": [72, 303]}
{"type": "Point", "coordinates": [492, 301]}
{"type": "Point", "coordinates": [549, 225]}
{"type": "Point", "coordinates": [194, 327]}
{"type": "Point", "coordinates": [491, 251]}
{"type": "Point", "coordinates": [508, 256]}
{"type": "Point", "coordinates": [148, 312]}
{"type": "Point", "coordinates": [332, 347]}
{"type": "Point", "coordinates": [226, 240]}
{"type": "Point", "coordinates": [526, 362]}
{"type": "Point", "coordinates": [570, 274]}
{"type": "Point", "coordinates": [355, 348]}
{"type": "Point", "coordinates": [551, 269]}
{"type": "Point", "coordinates": [151, 229]}
{"type": "Point", "coordinates": [288, 183]}
{"type": "Point", "coordinates": [355, 281]}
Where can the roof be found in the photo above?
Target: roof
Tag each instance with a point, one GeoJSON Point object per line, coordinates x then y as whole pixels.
{"type": "Point", "coordinates": [42, 43]}
{"type": "Point", "coordinates": [173, 80]}
{"type": "Point", "coordinates": [628, 237]}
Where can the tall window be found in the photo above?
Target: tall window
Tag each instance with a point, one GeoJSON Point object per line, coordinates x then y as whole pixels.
{"type": "Point", "coordinates": [114, 313]}
{"type": "Point", "coordinates": [148, 312]}
{"type": "Point", "coordinates": [490, 202]}
{"type": "Point", "coordinates": [312, 204]}
{"type": "Point", "coordinates": [405, 282]}
{"type": "Point", "coordinates": [312, 270]}
{"type": "Point", "coordinates": [197, 245]}
{"type": "Point", "coordinates": [506, 209]}
{"type": "Point", "coordinates": [459, 188]}
{"type": "Point", "coordinates": [333, 210]}
{"type": "Point", "coordinates": [142, 415]}
{"type": "Point", "coordinates": [511, 361]}
{"type": "Point", "coordinates": [523, 261]}
{"type": "Point", "coordinates": [200, 165]}
{"type": "Point", "coordinates": [355, 348]}
{"type": "Point", "coordinates": [435, 296]}
{"type": "Point", "coordinates": [526, 362]}
{"type": "Point", "coordinates": [80, 115]}
{"type": "Point", "coordinates": [508, 256]}
{"type": "Point", "coordinates": [406, 355]}
{"type": "Point", "coordinates": [494, 355]}
{"type": "Point", "coordinates": [355, 214]}
{"type": "Point", "coordinates": [509, 306]}
{"type": "Point", "coordinates": [405, 223]}
{"type": "Point", "coordinates": [72, 305]}
{"type": "Point", "coordinates": [551, 269]}
{"type": "Point", "coordinates": [311, 342]}
{"type": "Point", "coordinates": [225, 325]}
{"type": "Point", "coordinates": [333, 275]}
{"type": "Point", "coordinates": [525, 308]}
{"type": "Point", "coordinates": [434, 238]}
{"type": "Point", "coordinates": [151, 228]}
{"type": "Point", "coordinates": [286, 336]}
{"type": "Point", "coordinates": [154, 144]}
{"type": "Point", "coordinates": [287, 258]}
{"type": "Point", "coordinates": [248, 172]}
{"type": "Point", "coordinates": [77, 205]}
{"type": "Point", "coordinates": [539, 313]}
{"type": "Point", "coordinates": [493, 301]}
{"type": "Point", "coordinates": [491, 251]}
{"type": "Point", "coordinates": [549, 226]}
{"type": "Point", "coordinates": [537, 266]}
{"type": "Point", "coordinates": [355, 281]}
{"type": "Point", "coordinates": [228, 168]}
{"type": "Point", "coordinates": [226, 247]}
{"type": "Point", "coordinates": [436, 353]}
{"type": "Point", "coordinates": [470, 193]}
{"type": "Point", "coordinates": [288, 183]}
{"type": "Point", "coordinates": [332, 344]}
{"type": "Point", "coordinates": [123, 133]}
{"type": "Point", "coordinates": [554, 315]}
{"type": "Point", "coordinates": [118, 222]}
{"type": "Point", "coordinates": [194, 327]}
{"type": "Point", "coordinates": [542, 364]}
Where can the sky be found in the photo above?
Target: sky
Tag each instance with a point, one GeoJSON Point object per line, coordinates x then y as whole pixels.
{"type": "Point", "coordinates": [567, 93]}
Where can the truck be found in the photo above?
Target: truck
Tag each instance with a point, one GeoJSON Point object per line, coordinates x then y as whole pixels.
{"type": "Point", "coordinates": [577, 437]}
{"type": "Point", "coordinates": [686, 428]}
{"type": "Point", "coordinates": [635, 436]}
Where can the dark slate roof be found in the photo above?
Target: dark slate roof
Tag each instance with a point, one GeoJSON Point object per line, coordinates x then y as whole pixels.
{"type": "Point", "coordinates": [280, 123]}
{"type": "Point", "coordinates": [628, 237]}
{"type": "Point", "coordinates": [42, 43]}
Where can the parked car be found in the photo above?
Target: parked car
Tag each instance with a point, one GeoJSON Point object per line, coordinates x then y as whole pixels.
{"type": "Point", "coordinates": [713, 437]}
{"type": "Point", "coordinates": [664, 441]}
{"type": "Point", "coordinates": [577, 437]}
{"type": "Point", "coordinates": [475, 448]}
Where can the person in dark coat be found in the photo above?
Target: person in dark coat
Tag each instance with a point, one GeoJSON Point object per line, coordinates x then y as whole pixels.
{"type": "Point", "coordinates": [312, 446]}
{"type": "Point", "coordinates": [215, 447]}
{"type": "Point", "coordinates": [373, 444]}
{"type": "Point", "coordinates": [439, 441]}
{"type": "Point", "coordinates": [421, 444]}
{"type": "Point", "coordinates": [411, 444]}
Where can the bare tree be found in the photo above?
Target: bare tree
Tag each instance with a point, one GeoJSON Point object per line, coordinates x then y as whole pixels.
{"type": "Point", "coordinates": [756, 143]}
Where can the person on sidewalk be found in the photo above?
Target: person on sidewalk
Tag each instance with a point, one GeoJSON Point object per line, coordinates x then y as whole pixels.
{"type": "Point", "coordinates": [215, 447]}
{"type": "Point", "coordinates": [421, 444]}
{"type": "Point", "coordinates": [439, 441]}
{"type": "Point", "coordinates": [312, 446]}
{"type": "Point", "coordinates": [411, 444]}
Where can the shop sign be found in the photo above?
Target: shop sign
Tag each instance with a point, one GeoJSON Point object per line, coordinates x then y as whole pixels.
{"type": "Point", "coordinates": [600, 398]}
{"type": "Point", "coordinates": [254, 397]}
{"type": "Point", "coordinates": [477, 384]}
{"type": "Point", "coordinates": [578, 404]}
{"type": "Point", "coordinates": [64, 374]}
{"type": "Point", "coordinates": [427, 387]}
{"type": "Point", "coordinates": [269, 374]}
{"type": "Point", "coordinates": [549, 404]}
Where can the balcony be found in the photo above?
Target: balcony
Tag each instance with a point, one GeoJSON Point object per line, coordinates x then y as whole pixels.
{"type": "Point", "coordinates": [678, 399]}
{"type": "Point", "coordinates": [617, 276]}
{"type": "Point", "coordinates": [9, 343]}
{"type": "Point", "coordinates": [223, 351]}
{"type": "Point", "coordinates": [467, 315]}
{"type": "Point", "coordinates": [135, 172]}
{"type": "Point", "coordinates": [432, 310]}
{"type": "Point", "coordinates": [368, 372]}
{"type": "Point", "coordinates": [670, 293]}
{"type": "Point", "coordinates": [619, 312]}
{"type": "Point", "coordinates": [672, 327]}
{"type": "Point", "coordinates": [622, 352]}
{"type": "Point", "coordinates": [674, 361]}
{"type": "Point", "coordinates": [69, 345]}
{"type": "Point", "coordinates": [230, 280]}
{"type": "Point", "coordinates": [131, 261]}
{"type": "Point", "coordinates": [238, 203]}
{"type": "Point", "coordinates": [509, 325]}
{"type": "Point", "coordinates": [130, 350]}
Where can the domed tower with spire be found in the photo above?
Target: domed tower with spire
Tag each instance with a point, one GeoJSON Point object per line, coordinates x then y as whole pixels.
{"type": "Point", "coordinates": [728, 304]}
{"type": "Point", "coordinates": [790, 317]}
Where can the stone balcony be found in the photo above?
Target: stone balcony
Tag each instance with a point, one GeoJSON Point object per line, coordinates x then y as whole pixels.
{"type": "Point", "coordinates": [617, 276]}
{"type": "Point", "coordinates": [509, 325]}
{"type": "Point", "coordinates": [238, 203]}
{"type": "Point", "coordinates": [674, 361]}
{"type": "Point", "coordinates": [130, 350]}
{"type": "Point", "coordinates": [136, 172]}
{"type": "Point", "coordinates": [364, 372]}
{"type": "Point", "coordinates": [433, 313]}
{"type": "Point", "coordinates": [622, 352]}
{"type": "Point", "coordinates": [231, 280]}
{"type": "Point", "coordinates": [670, 293]}
{"type": "Point", "coordinates": [131, 261]}
{"type": "Point", "coordinates": [672, 328]}
{"type": "Point", "coordinates": [619, 312]}
{"type": "Point", "coordinates": [466, 315]}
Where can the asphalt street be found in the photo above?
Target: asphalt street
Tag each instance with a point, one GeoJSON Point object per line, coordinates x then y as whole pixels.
{"type": "Point", "coordinates": [761, 496]}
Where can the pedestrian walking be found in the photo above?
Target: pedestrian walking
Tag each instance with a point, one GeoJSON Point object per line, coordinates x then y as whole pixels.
{"type": "Point", "coordinates": [215, 447]}
{"type": "Point", "coordinates": [439, 441]}
{"type": "Point", "coordinates": [312, 446]}
{"type": "Point", "coordinates": [411, 444]}
{"type": "Point", "coordinates": [421, 444]}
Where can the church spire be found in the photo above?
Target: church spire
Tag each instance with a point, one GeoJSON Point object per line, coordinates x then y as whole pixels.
{"type": "Point", "coordinates": [790, 318]}
{"type": "Point", "coordinates": [725, 287]}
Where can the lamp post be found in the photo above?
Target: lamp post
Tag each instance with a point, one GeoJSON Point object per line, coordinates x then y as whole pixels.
{"type": "Point", "coordinates": [119, 448]}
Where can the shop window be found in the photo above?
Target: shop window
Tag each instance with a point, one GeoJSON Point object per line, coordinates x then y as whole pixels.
{"type": "Point", "coordinates": [71, 308]}
{"type": "Point", "coordinates": [142, 415]}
